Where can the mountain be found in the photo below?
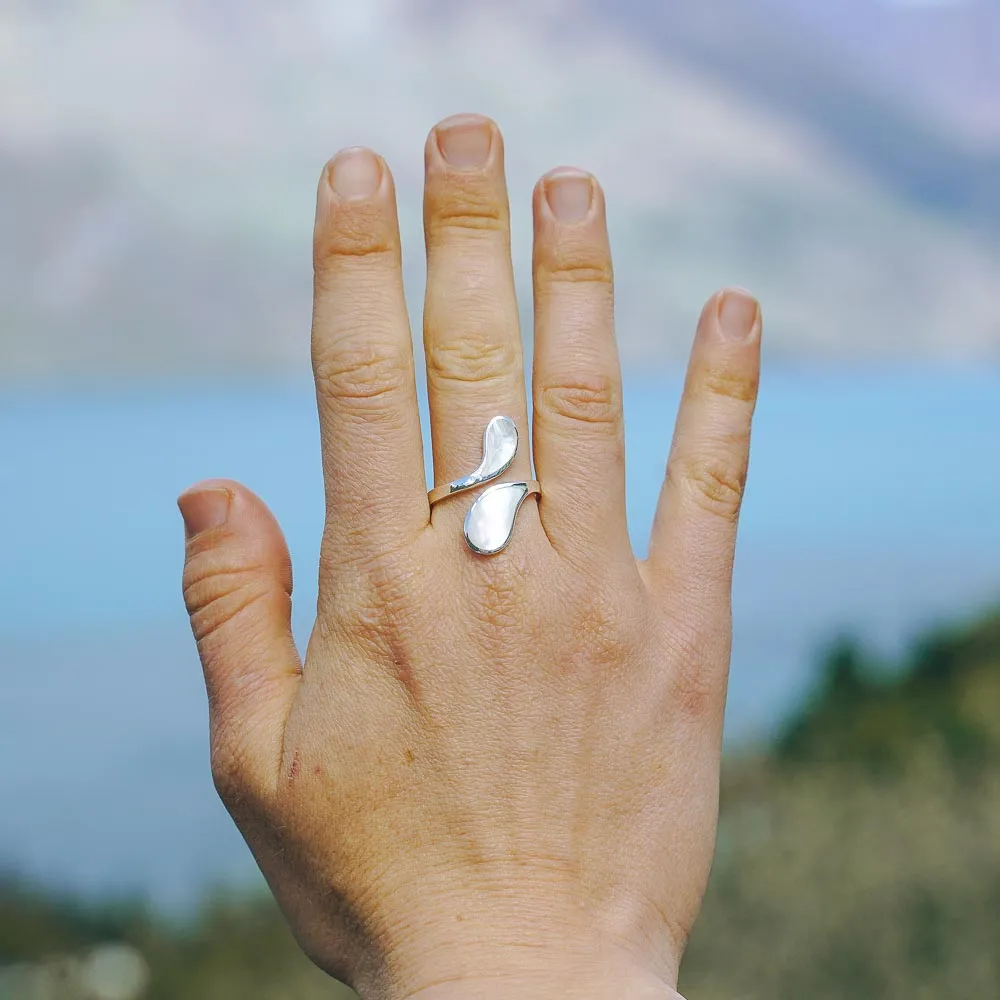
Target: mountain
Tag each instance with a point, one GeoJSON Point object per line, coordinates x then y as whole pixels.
{"type": "Point", "coordinates": [856, 73]}
{"type": "Point", "coordinates": [159, 161]}
{"type": "Point", "coordinates": [938, 56]}
{"type": "Point", "coordinates": [94, 280]}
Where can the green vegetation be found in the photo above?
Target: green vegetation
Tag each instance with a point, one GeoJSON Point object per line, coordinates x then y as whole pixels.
{"type": "Point", "coordinates": [945, 694]}
{"type": "Point", "coordinates": [859, 859]}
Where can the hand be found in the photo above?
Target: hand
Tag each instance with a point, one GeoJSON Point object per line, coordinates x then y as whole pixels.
{"type": "Point", "coordinates": [492, 772]}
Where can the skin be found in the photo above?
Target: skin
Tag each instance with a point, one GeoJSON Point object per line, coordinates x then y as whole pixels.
{"type": "Point", "coordinates": [496, 773]}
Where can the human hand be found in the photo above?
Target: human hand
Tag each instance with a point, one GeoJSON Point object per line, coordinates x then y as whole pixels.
{"type": "Point", "coordinates": [493, 772]}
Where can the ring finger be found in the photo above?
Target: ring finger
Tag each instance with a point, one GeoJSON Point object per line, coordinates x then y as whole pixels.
{"type": "Point", "coordinates": [472, 337]}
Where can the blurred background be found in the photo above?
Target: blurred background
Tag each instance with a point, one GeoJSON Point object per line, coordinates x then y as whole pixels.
{"type": "Point", "coordinates": [158, 163]}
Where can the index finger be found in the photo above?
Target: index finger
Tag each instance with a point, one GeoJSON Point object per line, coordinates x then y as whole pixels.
{"type": "Point", "coordinates": [363, 362]}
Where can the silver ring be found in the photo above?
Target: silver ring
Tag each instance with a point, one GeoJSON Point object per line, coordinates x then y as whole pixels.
{"type": "Point", "coordinates": [489, 523]}
{"type": "Point", "coordinates": [499, 449]}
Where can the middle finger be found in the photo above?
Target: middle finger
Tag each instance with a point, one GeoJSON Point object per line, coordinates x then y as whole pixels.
{"type": "Point", "coordinates": [472, 338]}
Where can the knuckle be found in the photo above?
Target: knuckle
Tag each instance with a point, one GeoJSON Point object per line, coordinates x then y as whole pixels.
{"type": "Point", "coordinates": [501, 606]}
{"type": "Point", "coordinates": [332, 255]}
{"type": "Point", "coordinates": [592, 270]}
{"type": "Point", "coordinates": [594, 399]}
{"type": "Point", "coordinates": [601, 630]}
{"type": "Point", "coordinates": [362, 374]}
{"type": "Point", "coordinates": [473, 358]}
{"type": "Point", "coordinates": [385, 603]}
{"type": "Point", "coordinates": [353, 233]}
{"type": "Point", "coordinates": [465, 214]}
{"type": "Point", "coordinates": [715, 483]}
{"type": "Point", "coordinates": [470, 221]}
{"type": "Point", "coordinates": [231, 773]}
{"type": "Point", "coordinates": [390, 599]}
{"type": "Point", "coordinates": [728, 384]}
{"type": "Point", "coordinates": [695, 681]}
{"type": "Point", "coordinates": [226, 772]}
{"type": "Point", "coordinates": [217, 595]}
{"type": "Point", "coordinates": [241, 773]}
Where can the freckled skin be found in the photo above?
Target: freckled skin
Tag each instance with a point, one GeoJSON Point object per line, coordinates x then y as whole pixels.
{"type": "Point", "coordinates": [490, 776]}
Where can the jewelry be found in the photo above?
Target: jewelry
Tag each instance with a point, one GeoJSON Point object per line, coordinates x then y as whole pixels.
{"type": "Point", "coordinates": [489, 523]}
{"type": "Point", "coordinates": [499, 449]}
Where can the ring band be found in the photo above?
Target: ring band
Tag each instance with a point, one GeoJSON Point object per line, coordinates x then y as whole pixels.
{"type": "Point", "coordinates": [441, 492]}
{"type": "Point", "coordinates": [438, 494]}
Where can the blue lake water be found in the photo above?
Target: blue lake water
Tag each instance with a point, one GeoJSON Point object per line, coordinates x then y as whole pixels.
{"type": "Point", "coordinates": [874, 505]}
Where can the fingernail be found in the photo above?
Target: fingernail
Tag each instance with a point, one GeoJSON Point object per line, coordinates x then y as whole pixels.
{"type": "Point", "coordinates": [738, 311]}
{"type": "Point", "coordinates": [465, 141]}
{"type": "Point", "coordinates": [355, 173]}
{"type": "Point", "coordinates": [203, 509]}
{"type": "Point", "coordinates": [570, 194]}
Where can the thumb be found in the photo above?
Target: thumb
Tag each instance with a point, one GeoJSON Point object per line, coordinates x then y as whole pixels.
{"type": "Point", "coordinates": [237, 587]}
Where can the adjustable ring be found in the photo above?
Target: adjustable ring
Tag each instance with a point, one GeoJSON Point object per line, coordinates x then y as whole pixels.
{"type": "Point", "coordinates": [499, 449]}
{"type": "Point", "coordinates": [489, 523]}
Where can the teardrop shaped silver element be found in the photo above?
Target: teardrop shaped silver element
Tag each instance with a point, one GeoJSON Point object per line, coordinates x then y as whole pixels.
{"type": "Point", "coordinates": [490, 521]}
{"type": "Point", "coordinates": [499, 449]}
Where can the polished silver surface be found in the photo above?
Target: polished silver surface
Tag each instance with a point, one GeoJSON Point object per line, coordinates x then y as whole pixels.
{"type": "Point", "coordinates": [490, 521]}
{"type": "Point", "coordinates": [499, 449]}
